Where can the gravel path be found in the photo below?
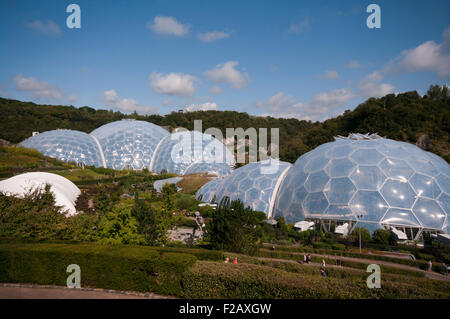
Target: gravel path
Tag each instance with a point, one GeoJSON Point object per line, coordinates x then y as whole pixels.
{"type": "Point", "coordinates": [31, 291]}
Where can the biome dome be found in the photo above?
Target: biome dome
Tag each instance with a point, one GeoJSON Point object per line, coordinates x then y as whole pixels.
{"type": "Point", "coordinates": [64, 191]}
{"type": "Point", "coordinates": [192, 151]}
{"type": "Point", "coordinates": [371, 181]}
{"type": "Point", "coordinates": [132, 144]}
{"type": "Point", "coordinates": [67, 146]}
{"type": "Point", "coordinates": [255, 184]}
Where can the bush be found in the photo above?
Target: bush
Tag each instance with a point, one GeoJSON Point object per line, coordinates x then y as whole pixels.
{"type": "Point", "coordinates": [133, 268]}
{"type": "Point", "coordinates": [282, 281]}
{"type": "Point", "coordinates": [381, 236]}
{"type": "Point", "coordinates": [426, 257]}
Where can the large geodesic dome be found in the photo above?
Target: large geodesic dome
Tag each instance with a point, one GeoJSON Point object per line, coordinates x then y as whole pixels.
{"type": "Point", "coordinates": [132, 144]}
{"type": "Point", "coordinates": [255, 184]}
{"type": "Point", "coordinates": [191, 151]}
{"type": "Point", "coordinates": [207, 193]}
{"type": "Point", "coordinates": [67, 146]}
{"type": "Point", "coordinates": [370, 181]}
{"type": "Point", "coordinates": [129, 143]}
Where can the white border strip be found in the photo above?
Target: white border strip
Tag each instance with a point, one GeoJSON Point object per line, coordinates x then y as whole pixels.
{"type": "Point", "coordinates": [100, 149]}
{"type": "Point", "coordinates": [275, 190]}
{"type": "Point", "coordinates": [156, 151]}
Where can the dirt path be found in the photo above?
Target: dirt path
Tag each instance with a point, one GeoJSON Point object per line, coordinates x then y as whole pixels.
{"type": "Point", "coordinates": [27, 291]}
{"type": "Point", "coordinates": [428, 274]}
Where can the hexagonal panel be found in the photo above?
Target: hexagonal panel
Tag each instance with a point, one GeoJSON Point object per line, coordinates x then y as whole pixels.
{"type": "Point", "coordinates": [444, 201]}
{"type": "Point", "coordinates": [340, 190]}
{"type": "Point", "coordinates": [396, 216]}
{"type": "Point", "coordinates": [316, 181]}
{"type": "Point", "coordinates": [368, 177]}
{"type": "Point", "coordinates": [341, 167]}
{"type": "Point", "coordinates": [316, 164]}
{"type": "Point", "coordinates": [396, 169]}
{"type": "Point", "coordinates": [398, 194]}
{"type": "Point", "coordinates": [315, 203]}
{"type": "Point", "coordinates": [429, 213]}
{"type": "Point", "coordinates": [368, 205]}
{"type": "Point", "coordinates": [366, 156]}
{"type": "Point", "coordinates": [425, 186]}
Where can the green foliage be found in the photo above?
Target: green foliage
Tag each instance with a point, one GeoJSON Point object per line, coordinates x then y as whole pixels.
{"type": "Point", "coordinates": [119, 227]}
{"type": "Point", "coordinates": [365, 235]}
{"type": "Point", "coordinates": [235, 228]}
{"type": "Point", "coordinates": [144, 269]}
{"type": "Point", "coordinates": [381, 236]}
{"type": "Point", "coordinates": [33, 217]}
{"type": "Point", "coordinates": [168, 190]}
{"type": "Point", "coordinates": [152, 223]}
{"type": "Point", "coordinates": [253, 281]}
{"type": "Point", "coordinates": [403, 117]}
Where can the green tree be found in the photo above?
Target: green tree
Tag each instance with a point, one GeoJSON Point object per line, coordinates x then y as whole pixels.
{"type": "Point", "coordinates": [381, 236]}
{"type": "Point", "coordinates": [365, 235]}
{"type": "Point", "coordinates": [235, 228]}
{"type": "Point", "coordinates": [152, 224]}
{"type": "Point", "coordinates": [168, 190]}
{"type": "Point", "coordinates": [119, 227]}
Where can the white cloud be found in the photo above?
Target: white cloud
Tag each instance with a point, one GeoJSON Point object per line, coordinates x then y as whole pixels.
{"type": "Point", "coordinates": [215, 90]}
{"type": "Point", "coordinates": [207, 106]}
{"type": "Point", "coordinates": [168, 25]}
{"type": "Point", "coordinates": [212, 36]}
{"type": "Point", "coordinates": [428, 56]}
{"type": "Point", "coordinates": [319, 108]}
{"type": "Point", "coordinates": [172, 84]}
{"type": "Point", "coordinates": [300, 27]}
{"type": "Point", "coordinates": [331, 75]}
{"type": "Point", "coordinates": [40, 89]}
{"type": "Point", "coordinates": [354, 64]}
{"type": "Point", "coordinates": [371, 89]}
{"type": "Point", "coordinates": [126, 105]}
{"type": "Point", "coordinates": [226, 73]}
{"type": "Point", "coordinates": [48, 28]}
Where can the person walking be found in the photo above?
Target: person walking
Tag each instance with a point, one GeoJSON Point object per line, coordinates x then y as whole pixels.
{"type": "Point", "coordinates": [323, 263]}
{"type": "Point", "coordinates": [235, 260]}
{"type": "Point", "coordinates": [227, 260]}
{"type": "Point", "coordinates": [430, 266]}
{"type": "Point", "coordinates": [323, 272]}
{"type": "Point", "coordinates": [305, 259]}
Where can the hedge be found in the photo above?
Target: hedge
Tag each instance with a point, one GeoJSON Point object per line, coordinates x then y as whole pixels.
{"type": "Point", "coordinates": [292, 252]}
{"type": "Point", "coordinates": [134, 268]}
{"type": "Point", "coordinates": [219, 280]}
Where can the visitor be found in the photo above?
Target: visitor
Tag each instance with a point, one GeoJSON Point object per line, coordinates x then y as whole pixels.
{"type": "Point", "coordinates": [273, 247]}
{"type": "Point", "coordinates": [323, 272]}
{"type": "Point", "coordinates": [323, 263]}
{"type": "Point", "coordinates": [304, 259]}
{"type": "Point", "coordinates": [444, 269]}
{"type": "Point", "coordinates": [235, 260]}
{"type": "Point", "coordinates": [430, 266]}
{"type": "Point", "coordinates": [309, 258]}
{"type": "Point", "coordinates": [227, 260]}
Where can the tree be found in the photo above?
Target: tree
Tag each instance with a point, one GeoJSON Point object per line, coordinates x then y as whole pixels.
{"type": "Point", "coordinates": [235, 228]}
{"type": "Point", "coordinates": [167, 191]}
{"type": "Point", "coordinates": [381, 236]}
{"type": "Point", "coordinates": [152, 224]}
{"type": "Point", "coordinates": [119, 227]}
{"type": "Point", "coordinates": [365, 235]}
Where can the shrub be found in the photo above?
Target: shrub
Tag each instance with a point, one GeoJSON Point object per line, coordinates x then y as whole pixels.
{"type": "Point", "coordinates": [133, 268]}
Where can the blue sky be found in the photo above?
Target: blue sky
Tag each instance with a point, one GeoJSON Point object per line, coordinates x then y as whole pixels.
{"type": "Point", "coordinates": [305, 59]}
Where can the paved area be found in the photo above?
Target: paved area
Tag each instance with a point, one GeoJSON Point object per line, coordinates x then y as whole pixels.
{"type": "Point", "coordinates": [23, 291]}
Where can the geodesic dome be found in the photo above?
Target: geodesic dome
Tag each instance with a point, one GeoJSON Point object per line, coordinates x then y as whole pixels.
{"type": "Point", "coordinates": [65, 192]}
{"type": "Point", "coordinates": [129, 143]}
{"type": "Point", "coordinates": [67, 145]}
{"type": "Point", "coordinates": [255, 184]}
{"type": "Point", "coordinates": [368, 179]}
{"type": "Point", "coordinates": [208, 191]}
{"type": "Point", "coordinates": [193, 152]}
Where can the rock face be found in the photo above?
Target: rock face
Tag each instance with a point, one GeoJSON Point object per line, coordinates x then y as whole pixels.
{"type": "Point", "coordinates": [424, 142]}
